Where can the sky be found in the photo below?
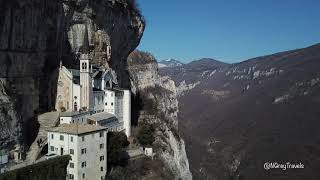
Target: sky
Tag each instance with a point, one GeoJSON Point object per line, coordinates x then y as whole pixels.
{"type": "Point", "coordinates": [227, 30]}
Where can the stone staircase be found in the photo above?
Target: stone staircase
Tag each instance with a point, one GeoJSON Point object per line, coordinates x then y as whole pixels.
{"type": "Point", "coordinates": [46, 121]}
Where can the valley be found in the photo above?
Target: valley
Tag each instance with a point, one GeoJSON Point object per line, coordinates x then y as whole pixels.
{"type": "Point", "coordinates": [236, 117]}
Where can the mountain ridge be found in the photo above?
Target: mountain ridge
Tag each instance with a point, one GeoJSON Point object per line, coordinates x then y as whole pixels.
{"type": "Point", "coordinates": [169, 63]}
{"type": "Point", "coordinates": [234, 118]}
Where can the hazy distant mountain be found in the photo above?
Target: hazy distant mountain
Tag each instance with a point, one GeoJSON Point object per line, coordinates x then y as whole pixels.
{"type": "Point", "coordinates": [236, 117]}
{"type": "Point", "coordinates": [169, 63]}
{"type": "Point", "coordinates": [206, 62]}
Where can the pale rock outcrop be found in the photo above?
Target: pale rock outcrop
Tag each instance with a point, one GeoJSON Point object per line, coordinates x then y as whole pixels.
{"type": "Point", "coordinates": [145, 77]}
{"type": "Point", "coordinates": [184, 87]}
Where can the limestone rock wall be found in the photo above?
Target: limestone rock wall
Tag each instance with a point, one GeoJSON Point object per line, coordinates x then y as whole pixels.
{"type": "Point", "coordinates": [115, 29]}
{"type": "Point", "coordinates": [9, 120]}
{"type": "Point", "coordinates": [145, 79]}
{"type": "Point", "coordinates": [36, 34]}
{"type": "Point", "coordinates": [31, 39]}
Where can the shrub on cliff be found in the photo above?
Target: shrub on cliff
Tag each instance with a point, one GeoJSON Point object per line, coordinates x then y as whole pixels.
{"type": "Point", "coordinates": [151, 106]}
{"type": "Point", "coordinates": [146, 135]}
{"type": "Point", "coordinates": [117, 141]}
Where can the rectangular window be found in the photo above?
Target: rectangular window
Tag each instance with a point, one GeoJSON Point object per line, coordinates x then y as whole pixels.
{"type": "Point", "coordinates": [71, 151]}
{"type": "Point", "coordinates": [83, 151]}
{"type": "Point", "coordinates": [83, 175]}
{"type": "Point", "coordinates": [101, 168]}
{"type": "Point", "coordinates": [61, 137]}
{"type": "Point", "coordinates": [52, 148]}
{"type": "Point", "coordinates": [83, 164]}
{"type": "Point", "coordinates": [82, 138]}
{"type": "Point", "coordinates": [71, 176]}
{"type": "Point", "coordinates": [101, 158]}
{"type": "Point", "coordinates": [101, 134]}
{"type": "Point", "coordinates": [52, 136]}
{"type": "Point", "coordinates": [71, 165]}
{"type": "Point", "coordinates": [71, 138]}
{"type": "Point", "coordinates": [101, 146]}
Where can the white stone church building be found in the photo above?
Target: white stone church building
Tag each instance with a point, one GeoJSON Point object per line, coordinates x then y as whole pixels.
{"type": "Point", "coordinates": [91, 96]}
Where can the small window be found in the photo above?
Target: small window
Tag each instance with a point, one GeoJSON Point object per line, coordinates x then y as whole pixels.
{"type": "Point", "coordinates": [52, 148]}
{"type": "Point", "coordinates": [101, 146]}
{"type": "Point", "coordinates": [71, 165]}
{"type": "Point", "coordinates": [52, 136]}
{"type": "Point", "coordinates": [101, 158]}
{"type": "Point", "coordinates": [83, 151]}
{"type": "Point", "coordinates": [61, 137]}
{"type": "Point", "coordinates": [83, 175]}
{"type": "Point", "coordinates": [101, 134]}
{"type": "Point", "coordinates": [112, 104]}
{"type": "Point", "coordinates": [106, 104]}
{"type": "Point", "coordinates": [71, 138]}
{"type": "Point", "coordinates": [83, 164]}
{"type": "Point", "coordinates": [71, 176]}
{"type": "Point", "coordinates": [82, 138]}
{"type": "Point", "coordinates": [71, 151]}
{"type": "Point", "coordinates": [101, 168]}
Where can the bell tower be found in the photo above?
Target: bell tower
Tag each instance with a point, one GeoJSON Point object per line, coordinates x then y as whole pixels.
{"type": "Point", "coordinates": [85, 74]}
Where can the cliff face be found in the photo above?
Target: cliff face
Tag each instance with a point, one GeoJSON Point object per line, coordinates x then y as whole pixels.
{"type": "Point", "coordinates": [9, 120]}
{"type": "Point", "coordinates": [115, 29]}
{"type": "Point", "coordinates": [37, 34]}
{"type": "Point", "coordinates": [171, 148]}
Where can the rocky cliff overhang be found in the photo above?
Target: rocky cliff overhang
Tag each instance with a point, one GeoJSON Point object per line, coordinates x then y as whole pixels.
{"type": "Point", "coordinates": [37, 34]}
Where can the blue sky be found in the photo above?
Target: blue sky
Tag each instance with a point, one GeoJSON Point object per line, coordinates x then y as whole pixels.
{"type": "Point", "coordinates": [228, 30]}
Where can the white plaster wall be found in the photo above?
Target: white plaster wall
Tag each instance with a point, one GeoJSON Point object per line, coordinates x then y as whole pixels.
{"type": "Point", "coordinates": [118, 107]}
{"type": "Point", "coordinates": [81, 118]}
{"type": "Point", "coordinates": [76, 96]}
{"type": "Point", "coordinates": [92, 157]}
{"type": "Point", "coordinates": [109, 99]}
{"type": "Point", "coordinates": [91, 143]}
{"type": "Point", "coordinates": [66, 144]}
{"type": "Point", "coordinates": [127, 112]}
{"type": "Point", "coordinates": [98, 106]}
{"type": "Point", "coordinates": [64, 92]}
{"type": "Point", "coordinates": [65, 120]}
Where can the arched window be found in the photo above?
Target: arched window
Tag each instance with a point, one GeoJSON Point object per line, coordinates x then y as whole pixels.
{"type": "Point", "coordinates": [84, 66]}
{"type": "Point", "coordinates": [75, 106]}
